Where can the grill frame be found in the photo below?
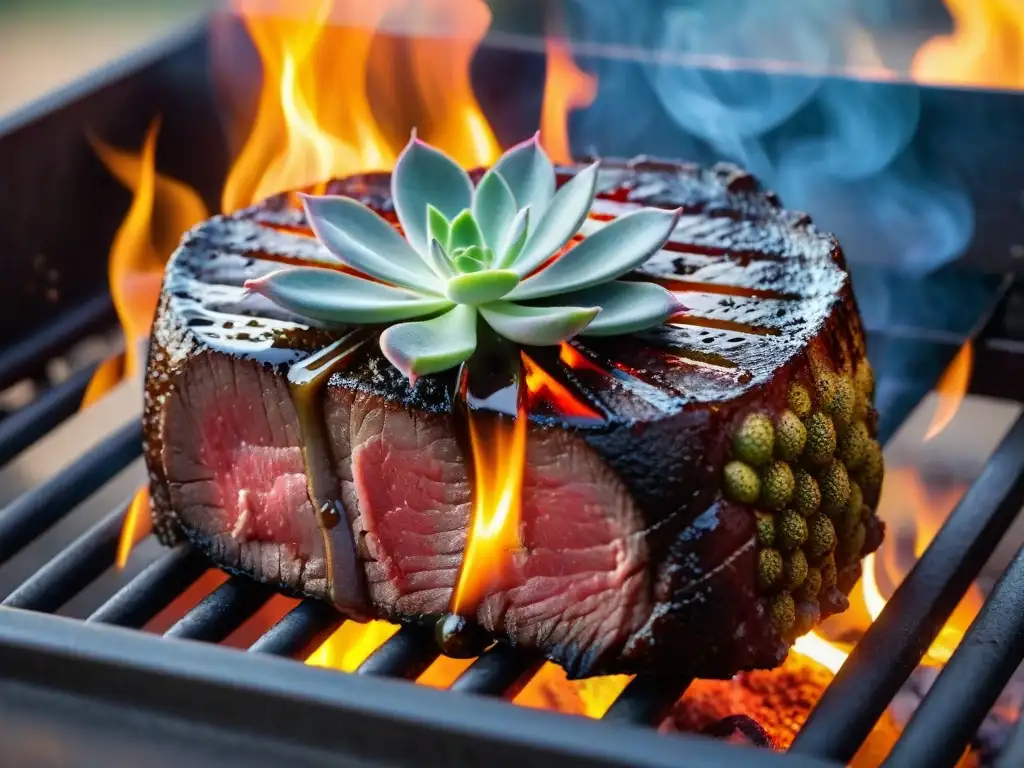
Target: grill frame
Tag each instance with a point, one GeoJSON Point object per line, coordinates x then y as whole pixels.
{"type": "Point", "coordinates": [167, 682]}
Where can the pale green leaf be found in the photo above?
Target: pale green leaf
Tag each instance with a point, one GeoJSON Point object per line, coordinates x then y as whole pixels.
{"type": "Point", "coordinates": [612, 251]}
{"type": "Point", "coordinates": [464, 232]}
{"type": "Point", "coordinates": [494, 207]}
{"type": "Point", "coordinates": [529, 174]}
{"type": "Point", "coordinates": [626, 306]}
{"type": "Point", "coordinates": [514, 238]}
{"type": "Point", "coordinates": [426, 176]}
{"type": "Point", "coordinates": [364, 241]}
{"type": "Point", "coordinates": [439, 261]}
{"type": "Point", "coordinates": [481, 287]}
{"type": "Point", "coordinates": [331, 296]}
{"type": "Point", "coordinates": [536, 326]}
{"type": "Point", "coordinates": [438, 226]}
{"type": "Point", "coordinates": [568, 210]}
{"type": "Point", "coordinates": [430, 346]}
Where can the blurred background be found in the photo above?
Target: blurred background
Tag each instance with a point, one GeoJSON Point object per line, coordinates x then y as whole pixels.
{"type": "Point", "coordinates": [45, 44]}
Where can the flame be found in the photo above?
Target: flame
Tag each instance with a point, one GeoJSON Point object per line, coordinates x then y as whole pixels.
{"type": "Point", "coordinates": [162, 209]}
{"type": "Point", "coordinates": [986, 47]}
{"type": "Point", "coordinates": [315, 120]}
{"type": "Point", "coordinates": [544, 388]}
{"type": "Point", "coordinates": [136, 527]}
{"type": "Point", "coordinates": [499, 458]}
{"type": "Point", "coordinates": [351, 644]}
{"type": "Point", "coordinates": [951, 390]}
{"type": "Point", "coordinates": [551, 689]}
{"type": "Point", "coordinates": [565, 89]}
{"type": "Point", "coordinates": [909, 507]}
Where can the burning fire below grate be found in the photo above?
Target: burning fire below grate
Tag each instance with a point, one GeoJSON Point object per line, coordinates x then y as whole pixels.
{"type": "Point", "coordinates": [323, 113]}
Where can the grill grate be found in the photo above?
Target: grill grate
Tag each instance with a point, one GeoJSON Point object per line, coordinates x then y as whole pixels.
{"type": "Point", "coordinates": [287, 711]}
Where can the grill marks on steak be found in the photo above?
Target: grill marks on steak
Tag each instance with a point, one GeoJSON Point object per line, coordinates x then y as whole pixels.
{"type": "Point", "coordinates": [631, 562]}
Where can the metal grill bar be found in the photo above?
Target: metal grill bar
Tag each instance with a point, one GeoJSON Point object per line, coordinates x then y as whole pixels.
{"type": "Point", "coordinates": [1012, 755]}
{"type": "Point", "coordinates": [74, 568]}
{"type": "Point", "coordinates": [500, 671]}
{"type": "Point", "coordinates": [23, 427]}
{"type": "Point", "coordinates": [969, 685]}
{"type": "Point", "coordinates": [32, 513]}
{"type": "Point", "coordinates": [301, 631]}
{"type": "Point", "coordinates": [895, 643]}
{"type": "Point", "coordinates": [29, 355]}
{"type": "Point", "coordinates": [222, 611]}
{"type": "Point", "coordinates": [405, 654]}
{"type": "Point", "coordinates": [646, 700]}
{"type": "Point", "coordinates": [150, 592]}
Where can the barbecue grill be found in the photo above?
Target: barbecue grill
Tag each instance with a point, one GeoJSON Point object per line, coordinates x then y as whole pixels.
{"type": "Point", "coordinates": [93, 691]}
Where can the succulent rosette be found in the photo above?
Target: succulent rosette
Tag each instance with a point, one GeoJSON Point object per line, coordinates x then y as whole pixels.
{"type": "Point", "coordinates": [496, 254]}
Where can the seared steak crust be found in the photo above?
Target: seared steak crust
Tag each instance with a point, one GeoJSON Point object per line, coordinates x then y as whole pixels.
{"type": "Point", "coordinates": [633, 559]}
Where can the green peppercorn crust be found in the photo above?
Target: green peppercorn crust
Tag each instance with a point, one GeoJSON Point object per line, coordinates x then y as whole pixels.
{"type": "Point", "coordinates": [811, 472]}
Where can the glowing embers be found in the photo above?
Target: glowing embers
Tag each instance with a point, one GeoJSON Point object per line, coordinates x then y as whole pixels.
{"type": "Point", "coordinates": [550, 397]}
{"type": "Point", "coordinates": [492, 398]}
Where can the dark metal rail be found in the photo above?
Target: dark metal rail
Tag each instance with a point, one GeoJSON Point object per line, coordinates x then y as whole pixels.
{"type": "Point", "coordinates": [23, 427]}
{"type": "Point", "coordinates": [895, 643]}
{"type": "Point", "coordinates": [153, 589]}
{"type": "Point", "coordinates": [73, 569]}
{"type": "Point", "coordinates": [32, 513]}
{"type": "Point", "coordinates": [405, 654]}
{"type": "Point", "coordinates": [301, 631]}
{"type": "Point", "coordinates": [222, 611]}
{"type": "Point", "coordinates": [647, 700]}
{"type": "Point", "coordinates": [28, 356]}
{"type": "Point", "coordinates": [500, 671]}
{"type": "Point", "coordinates": [968, 686]}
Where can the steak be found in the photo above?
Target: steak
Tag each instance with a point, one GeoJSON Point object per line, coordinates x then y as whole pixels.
{"type": "Point", "coordinates": [658, 530]}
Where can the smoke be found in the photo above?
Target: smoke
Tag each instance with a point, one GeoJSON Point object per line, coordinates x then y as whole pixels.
{"type": "Point", "coordinates": [744, 80]}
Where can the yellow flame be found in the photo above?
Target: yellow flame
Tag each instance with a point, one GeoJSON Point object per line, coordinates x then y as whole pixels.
{"type": "Point", "coordinates": [136, 526]}
{"type": "Point", "coordinates": [565, 89]}
{"type": "Point", "coordinates": [499, 457]}
{"type": "Point", "coordinates": [351, 644]}
{"type": "Point", "coordinates": [986, 47]}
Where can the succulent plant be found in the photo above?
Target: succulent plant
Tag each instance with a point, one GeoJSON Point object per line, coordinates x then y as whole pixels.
{"type": "Point", "coordinates": [496, 253]}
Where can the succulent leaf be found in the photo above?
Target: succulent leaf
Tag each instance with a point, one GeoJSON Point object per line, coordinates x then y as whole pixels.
{"type": "Point", "coordinates": [625, 306]}
{"type": "Point", "coordinates": [465, 232]}
{"type": "Point", "coordinates": [607, 254]}
{"type": "Point", "coordinates": [514, 238]}
{"type": "Point", "coordinates": [337, 297]}
{"type": "Point", "coordinates": [568, 210]}
{"type": "Point", "coordinates": [536, 326]}
{"type": "Point", "coordinates": [438, 260]}
{"type": "Point", "coordinates": [361, 239]}
{"type": "Point", "coordinates": [426, 176]}
{"type": "Point", "coordinates": [438, 226]}
{"type": "Point", "coordinates": [529, 174]}
{"type": "Point", "coordinates": [481, 287]}
{"type": "Point", "coordinates": [472, 254]}
{"type": "Point", "coordinates": [429, 346]}
{"type": "Point", "coordinates": [494, 207]}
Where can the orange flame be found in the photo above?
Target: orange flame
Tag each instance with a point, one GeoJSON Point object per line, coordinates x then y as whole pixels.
{"type": "Point", "coordinates": [136, 526]}
{"type": "Point", "coordinates": [499, 457]}
{"type": "Point", "coordinates": [986, 47]}
{"type": "Point", "coordinates": [161, 211]}
{"type": "Point", "coordinates": [315, 120]}
{"type": "Point", "coordinates": [909, 505]}
{"type": "Point", "coordinates": [543, 387]}
{"type": "Point", "coordinates": [951, 390]}
{"type": "Point", "coordinates": [566, 88]}
{"type": "Point", "coordinates": [351, 644]}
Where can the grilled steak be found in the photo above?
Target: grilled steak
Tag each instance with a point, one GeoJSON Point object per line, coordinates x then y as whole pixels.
{"type": "Point", "coordinates": [695, 496]}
